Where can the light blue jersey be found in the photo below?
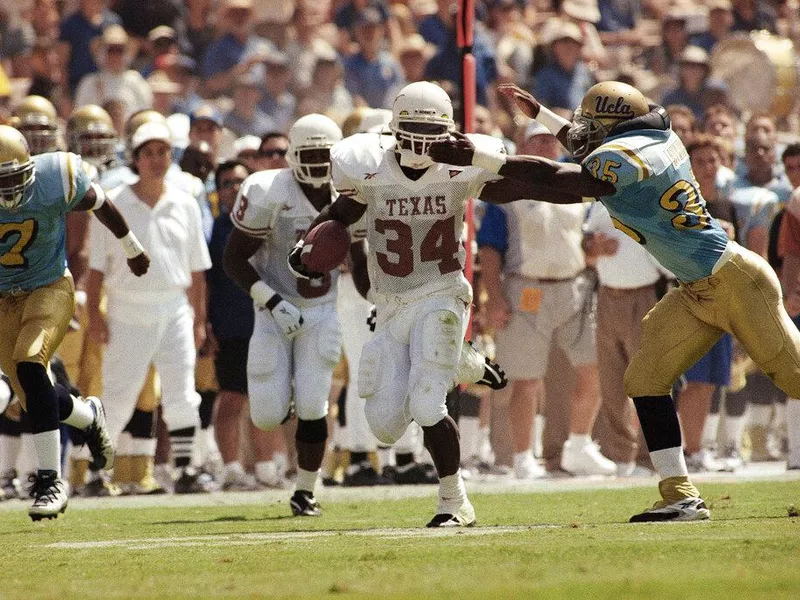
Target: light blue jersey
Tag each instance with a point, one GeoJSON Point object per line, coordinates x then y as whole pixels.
{"type": "Point", "coordinates": [658, 201]}
{"type": "Point", "coordinates": [33, 235]}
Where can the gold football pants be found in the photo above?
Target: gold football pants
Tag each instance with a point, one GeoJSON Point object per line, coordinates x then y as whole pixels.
{"type": "Point", "coordinates": [742, 298]}
{"type": "Point", "coordinates": [32, 325]}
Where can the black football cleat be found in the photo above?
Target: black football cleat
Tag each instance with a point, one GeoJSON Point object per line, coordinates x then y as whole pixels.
{"type": "Point", "coordinates": [304, 504]}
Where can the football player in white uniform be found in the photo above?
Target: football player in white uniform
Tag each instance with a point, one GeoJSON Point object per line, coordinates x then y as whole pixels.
{"type": "Point", "coordinates": [415, 217]}
{"type": "Point", "coordinates": [296, 339]}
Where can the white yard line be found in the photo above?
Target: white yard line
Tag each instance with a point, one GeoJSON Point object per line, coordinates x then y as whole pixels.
{"type": "Point", "coordinates": [255, 539]}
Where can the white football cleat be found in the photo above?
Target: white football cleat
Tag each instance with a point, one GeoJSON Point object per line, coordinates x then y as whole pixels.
{"type": "Point", "coordinates": [586, 459]}
{"type": "Point", "coordinates": [460, 516]}
{"type": "Point", "coordinates": [687, 509]}
{"type": "Point", "coordinates": [50, 496]}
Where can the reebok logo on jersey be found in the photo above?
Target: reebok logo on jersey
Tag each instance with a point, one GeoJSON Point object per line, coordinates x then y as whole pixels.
{"type": "Point", "coordinates": [370, 175]}
{"type": "Point", "coordinates": [454, 172]}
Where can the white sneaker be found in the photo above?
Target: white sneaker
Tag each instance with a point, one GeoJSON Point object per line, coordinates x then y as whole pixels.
{"type": "Point", "coordinates": [731, 459]}
{"type": "Point", "coordinates": [237, 480]}
{"type": "Point", "coordinates": [586, 459]}
{"type": "Point", "coordinates": [162, 473]}
{"type": "Point", "coordinates": [625, 469]}
{"type": "Point", "coordinates": [526, 467]}
{"type": "Point", "coordinates": [50, 495]}
{"type": "Point", "coordinates": [269, 474]}
{"type": "Point", "coordinates": [462, 515]}
{"type": "Point", "coordinates": [703, 461]}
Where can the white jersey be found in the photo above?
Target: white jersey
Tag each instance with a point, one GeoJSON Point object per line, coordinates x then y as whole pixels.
{"type": "Point", "coordinates": [272, 206]}
{"type": "Point", "coordinates": [414, 228]}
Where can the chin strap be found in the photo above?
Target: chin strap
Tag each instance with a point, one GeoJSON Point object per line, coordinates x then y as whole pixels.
{"type": "Point", "coordinates": [657, 118]}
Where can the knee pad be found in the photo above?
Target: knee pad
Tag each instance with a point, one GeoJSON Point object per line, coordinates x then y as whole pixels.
{"type": "Point", "coordinates": [642, 381]}
{"type": "Point", "coordinates": [442, 339]}
{"type": "Point", "coordinates": [371, 369]}
{"type": "Point", "coordinates": [329, 342]}
{"type": "Point", "coordinates": [312, 432]}
{"type": "Point", "coordinates": [784, 370]}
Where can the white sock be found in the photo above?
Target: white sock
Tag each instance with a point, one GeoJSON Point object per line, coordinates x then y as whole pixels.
{"type": "Point", "coordinates": [143, 446]}
{"type": "Point", "coordinates": [760, 415]}
{"type": "Point", "coordinates": [521, 457]}
{"type": "Point", "coordinates": [266, 471]}
{"type": "Point", "coordinates": [233, 470]}
{"type": "Point", "coordinates": [733, 431]}
{"type": "Point", "coordinates": [306, 480]}
{"type": "Point", "coordinates": [579, 440]}
{"type": "Point", "coordinates": [451, 489]}
{"type": "Point", "coordinates": [384, 456]}
{"type": "Point", "coordinates": [669, 462]}
{"type": "Point", "coordinates": [538, 435]}
{"type": "Point", "coordinates": [10, 447]}
{"type": "Point", "coordinates": [82, 414]}
{"type": "Point", "coordinates": [709, 438]}
{"type": "Point", "coordinates": [48, 450]}
{"type": "Point", "coordinates": [793, 430]}
{"type": "Point", "coordinates": [281, 461]}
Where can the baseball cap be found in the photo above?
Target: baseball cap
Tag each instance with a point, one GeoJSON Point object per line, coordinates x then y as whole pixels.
{"type": "Point", "coordinates": [246, 143]}
{"type": "Point", "coordinates": [206, 112]}
{"type": "Point", "coordinates": [558, 29]}
{"type": "Point", "coordinates": [535, 128]}
{"type": "Point", "coordinates": [161, 32]}
{"type": "Point", "coordinates": [583, 10]}
{"type": "Point", "coordinates": [370, 15]}
{"type": "Point", "coordinates": [149, 132]}
{"type": "Point", "coordinates": [160, 83]}
{"type": "Point", "coordinates": [694, 55]}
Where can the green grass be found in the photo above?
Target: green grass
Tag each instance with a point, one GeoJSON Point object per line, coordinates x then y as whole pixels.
{"type": "Point", "coordinates": [572, 544]}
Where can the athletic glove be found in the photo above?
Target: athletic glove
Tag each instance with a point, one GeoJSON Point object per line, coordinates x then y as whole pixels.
{"type": "Point", "coordinates": [286, 314]}
{"type": "Point", "coordinates": [296, 266]}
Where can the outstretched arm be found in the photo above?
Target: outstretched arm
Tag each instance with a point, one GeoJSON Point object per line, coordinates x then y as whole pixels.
{"type": "Point", "coordinates": [105, 211]}
{"type": "Point", "coordinates": [530, 106]}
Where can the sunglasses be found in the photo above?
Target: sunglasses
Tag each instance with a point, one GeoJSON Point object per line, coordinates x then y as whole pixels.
{"type": "Point", "coordinates": [229, 184]}
{"type": "Point", "coordinates": [273, 153]}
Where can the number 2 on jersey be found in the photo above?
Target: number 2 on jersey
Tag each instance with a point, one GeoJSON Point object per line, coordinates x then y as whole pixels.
{"type": "Point", "coordinates": [439, 244]}
{"type": "Point", "coordinates": [14, 257]}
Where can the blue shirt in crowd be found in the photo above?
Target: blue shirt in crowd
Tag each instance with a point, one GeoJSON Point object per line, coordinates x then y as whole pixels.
{"type": "Point", "coordinates": [230, 309]}
{"type": "Point", "coordinates": [372, 80]}
{"type": "Point", "coordinates": [78, 32]}
{"type": "Point", "coordinates": [557, 88]}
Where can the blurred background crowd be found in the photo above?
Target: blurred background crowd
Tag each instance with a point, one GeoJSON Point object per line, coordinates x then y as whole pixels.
{"type": "Point", "coordinates": [229, 77]}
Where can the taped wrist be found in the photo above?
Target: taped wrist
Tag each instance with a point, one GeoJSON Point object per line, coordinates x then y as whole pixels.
{"type": "Point", "coordinates": [131, 245]}
{"type": "Point", "coordinates": [489, 161]}
{"type": "Point", "coordinates": [551, 120]}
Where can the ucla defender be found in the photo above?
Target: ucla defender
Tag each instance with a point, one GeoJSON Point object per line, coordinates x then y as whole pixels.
{"type": "Point", "coordinates": [414, 212]}
{"type": "Point", "coordinates": [636, 165]}
{"type": "Point", "coordinates": [37, 300]}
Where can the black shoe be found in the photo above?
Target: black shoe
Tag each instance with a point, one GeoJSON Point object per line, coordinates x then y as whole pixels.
{"type": "Point", "coordinates": [415, 474]}
{"type": "Point", "coordinates": [330, 482]}
{"type": "Point", "coordinates": [364, 475]}
{"type": "Point", "coordinates": [304, 504]}
{"type": "Point", "coordinates": [194, 482]}
{"type": "Point", "coordinates": [99, 486]}
{"type": "Point", "coordinates": [493, 376]}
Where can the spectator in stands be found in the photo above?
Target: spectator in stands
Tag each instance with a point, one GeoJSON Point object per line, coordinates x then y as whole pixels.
{"type": "Point", "coordinates": [565, 78]}
{"type": "Point", "coordinates": [684, 123]}
{"type": "Point", "coordinates": [720, 121]}
{"type": "Point", "coordinates": [272, 151]}
{"type": "Point", "coordinates": [113, 52]}
{"type": "Point", "coordinates": [720, 23]}
{"type": "Point", "coordinates": [182, 70]}
{"type": "Point", "coordinates": [161, 42]}
{"type": "Point", "coordinates": [165, 91]}
{"type": "Point", "coordinates": [663, 59]}
{"type": "Point", "coordinates": [199, 30]}
{"type": "Point", "coordinates": [327, 93]}
{"type": "Point", "coordinates": [445, 66]}
{"type": "Point", "coordinates": [47, 75]}
{"type": "Point", "coordinates": [694, 86]}
{"type": "Point", "coordinates": [245, 117]}
{"type": "Point", "coordinates": [749, 15]}
{"type": "Point", "coordinates": [308, 45]}
{"type": "Point", "coordinates": [532, 267]}
{"type": "Point", "coordinates": [140, 17]}
{"type": "Point", "coordinates": [205, 125]}
{"type": "Point", "coordinates": [414, 54]}
{"type": "Point", "coordinates": [586, 15]}
{"type": "Point", "coordinates": [347, 16]}
{"type": "Point", "coordinates": [372, 72]}
{"type": "Point", "coordinates": [78, 30]}
{"type": "Point", "coordinates": [45, 20]}
{"type": "Point", "coordinates": [245, 150]}
{"type": "Point", "coordinates": [16, 42]}
{"type": "Point", "coordinates": [277, 102]}
{"type": "Point", "coordinates": [236, 52]}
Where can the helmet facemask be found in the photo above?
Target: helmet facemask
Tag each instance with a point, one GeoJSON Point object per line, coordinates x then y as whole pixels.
{"type": "Point", "coordinates": [98, 148]}
{"type": "Point", "coordinates": [16, 184]}
{"type": "Point", "coordinates": [414, 138]}
{"type": "Point", "coordinates": [585, 135]}
{"type": "Point", "coordinates": [41, 137]}
{"type": "Point", "coordinates": [311, 163]}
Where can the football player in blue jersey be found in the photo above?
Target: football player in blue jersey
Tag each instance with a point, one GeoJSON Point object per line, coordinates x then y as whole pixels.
{"type": "Point", "coordinates": [632, 161]}
{"type": "Point", "coordinates": [37, 300]}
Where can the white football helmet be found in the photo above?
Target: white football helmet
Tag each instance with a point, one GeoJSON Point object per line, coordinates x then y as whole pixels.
{"type": "Point", "coordinates": [312, 132]}
{"type": "Point", "coordinates": [422, 114]}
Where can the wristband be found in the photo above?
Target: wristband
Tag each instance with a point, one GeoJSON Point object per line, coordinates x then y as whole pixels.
{"type": "Point", "coordinates": [101, 196]}
{"type": "Point", "coordinates": [263, 294]}
{"type": "Point", "coordinates": [551, 120]}
{"type": "Point", "coordinates": [131, 245]}
{"type": "Point", "coordinates": [489, 161]}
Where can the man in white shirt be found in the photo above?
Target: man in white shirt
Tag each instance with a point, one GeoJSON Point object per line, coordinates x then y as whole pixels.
{"type": "Point", "coordinates": [160, 320]}
{"type": "Point", "coordinates": [532, 267]}
{"type": "Point", "coordinates": [627, 275]}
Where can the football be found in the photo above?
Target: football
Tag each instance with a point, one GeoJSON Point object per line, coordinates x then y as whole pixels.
{"type": "Point", "coordinates": [326, 246]}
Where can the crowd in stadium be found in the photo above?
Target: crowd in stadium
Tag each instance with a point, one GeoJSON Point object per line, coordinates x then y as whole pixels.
{"type": "Point", "coordinates": [560, 292]}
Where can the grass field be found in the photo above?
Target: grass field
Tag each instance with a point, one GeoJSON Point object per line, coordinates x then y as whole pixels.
{"type": "Point", "coordinates": [569, 543]}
